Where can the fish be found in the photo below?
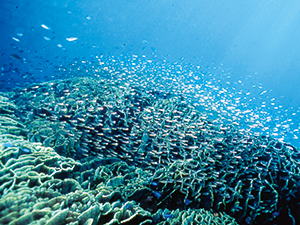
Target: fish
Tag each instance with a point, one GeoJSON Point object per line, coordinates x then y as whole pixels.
{"type": "Point", "coordinates": [15, 56]}
{"type": "Point", "coordinates": [154, 183]}
{"type": "Point", "coordinates": [45, 27]}
{"type": "Point", "coordinates": [25, 150]}
{"type": "Point", "coordinates": [71, 39]}
{"type": "Point", "coordinates": [8, 145]}
{"type": "Point", "coordinates": [167, 215]}
{"type": "Point", "coordinates": [157, 194]}
{"type": "Point", "coordinates": [16, 39]}
{"type": "Point", "coordinates": [187, 201]}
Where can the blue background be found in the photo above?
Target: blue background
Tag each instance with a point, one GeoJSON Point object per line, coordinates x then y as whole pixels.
{"type": "Point", "coordinates": [255, 42]}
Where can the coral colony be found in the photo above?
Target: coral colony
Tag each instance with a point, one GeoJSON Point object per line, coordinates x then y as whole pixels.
{"type": "Point", "coordinates": [96, 150]}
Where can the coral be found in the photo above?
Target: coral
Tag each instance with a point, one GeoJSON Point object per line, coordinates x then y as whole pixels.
{"type": "Point", "coordinates": [190, 217]}
{"type": "Point", "coordinates": [134, 153]}
{"type": "Point", "coordinates": [35, 188]}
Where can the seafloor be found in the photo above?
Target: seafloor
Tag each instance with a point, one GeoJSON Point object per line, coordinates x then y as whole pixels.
{"type": "Point", "coordinates": [98, 151]}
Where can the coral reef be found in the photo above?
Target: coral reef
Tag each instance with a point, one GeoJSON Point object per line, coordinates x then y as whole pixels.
{"type": "Point", "coordinates": [39, 186]}
{"type": "Point", "coordinates": [110, 152]}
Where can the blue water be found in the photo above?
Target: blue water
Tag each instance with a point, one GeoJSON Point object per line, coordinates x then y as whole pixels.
{"type": "Point", "coordinates": [237, 60]}
{"type": "Point", "coordinates": [251, 48]}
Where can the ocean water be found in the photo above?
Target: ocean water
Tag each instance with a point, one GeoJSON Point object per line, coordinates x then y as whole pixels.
{"type": "Point", "coordinates": [150, 65]}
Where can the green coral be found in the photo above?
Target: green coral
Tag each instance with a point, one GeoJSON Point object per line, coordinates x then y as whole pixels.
{"type": "Point", "coordinates": [35, 188]}
{"type": "Point", "coordinates": [42, 187]}
{"type": "Point", "coordinates": [126, 138]}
